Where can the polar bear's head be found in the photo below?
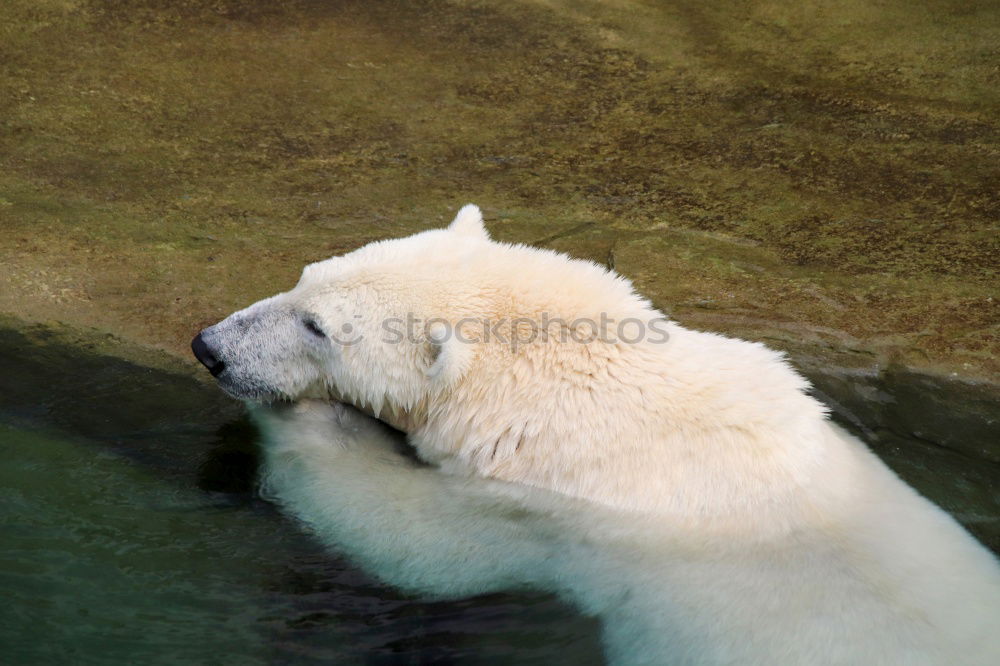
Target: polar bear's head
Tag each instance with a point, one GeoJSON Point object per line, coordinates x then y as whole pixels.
{"type": "Point", "coordinates": [395, 323]}
{"type": "Point", "coordinates": [359, 326]}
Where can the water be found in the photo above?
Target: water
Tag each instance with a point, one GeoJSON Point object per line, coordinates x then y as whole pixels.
{"type": "Point", "coordinates": [129, 534]}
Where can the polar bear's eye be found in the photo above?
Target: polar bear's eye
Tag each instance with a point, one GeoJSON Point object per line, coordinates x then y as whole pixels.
{"type": "Point", "coordinates": [313, 327]}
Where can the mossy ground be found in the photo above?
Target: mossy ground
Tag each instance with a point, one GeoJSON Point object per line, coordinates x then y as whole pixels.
{"type": "Point", "coordinates": [817, 174]}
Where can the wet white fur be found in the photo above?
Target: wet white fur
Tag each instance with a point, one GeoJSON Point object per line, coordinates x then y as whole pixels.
{"type": "Point", "coordinates": [889, 581]}
{"type": "Point", "coordinates": [767, 524]}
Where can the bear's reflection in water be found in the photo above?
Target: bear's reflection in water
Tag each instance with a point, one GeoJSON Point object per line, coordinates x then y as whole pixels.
{"type": "Point", "coordinates": [664, 592]}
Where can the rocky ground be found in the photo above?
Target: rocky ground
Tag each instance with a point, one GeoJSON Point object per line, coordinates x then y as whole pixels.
{"type": "Point", "coordinates": [820, 176]}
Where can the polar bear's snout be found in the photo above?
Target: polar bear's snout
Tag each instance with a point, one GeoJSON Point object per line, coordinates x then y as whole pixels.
{"type": "Point", "coordinates": [265, 353]}
{"type": "Point", "coordinates": [206, 355]}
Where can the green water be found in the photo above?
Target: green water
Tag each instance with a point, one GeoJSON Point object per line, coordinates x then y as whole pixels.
{"type": "Point", "coordinates": [129, 534]}
{"type": "Point", "coordinates": [104, 561]}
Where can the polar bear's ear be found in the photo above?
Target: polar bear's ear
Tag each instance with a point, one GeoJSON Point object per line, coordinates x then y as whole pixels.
{"type": "Point", "coordinates": [452, 355]}
{"type": "Point", "coordinates": [469, 222]}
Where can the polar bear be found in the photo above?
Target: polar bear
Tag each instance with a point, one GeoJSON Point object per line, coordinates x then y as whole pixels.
{"type": "Point", "coordinates": [682, 485]}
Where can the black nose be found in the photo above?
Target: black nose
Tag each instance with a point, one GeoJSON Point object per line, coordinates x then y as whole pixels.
{"type": "Point", "coordinates": [203, 353]}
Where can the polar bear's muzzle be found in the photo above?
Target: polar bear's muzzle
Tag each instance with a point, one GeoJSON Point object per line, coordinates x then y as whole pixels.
{"type": "Point", "coordinates": [264, 353]}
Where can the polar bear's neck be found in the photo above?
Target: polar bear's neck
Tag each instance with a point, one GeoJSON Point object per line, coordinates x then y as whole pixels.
{"type": "Point", "coordinates": [700, 425]}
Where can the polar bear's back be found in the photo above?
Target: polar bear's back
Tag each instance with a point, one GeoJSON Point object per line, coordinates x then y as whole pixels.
{"type": "Point", "coordinates": [897, 582]}
{"type": "Point", "coordinates": [940, 581]}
